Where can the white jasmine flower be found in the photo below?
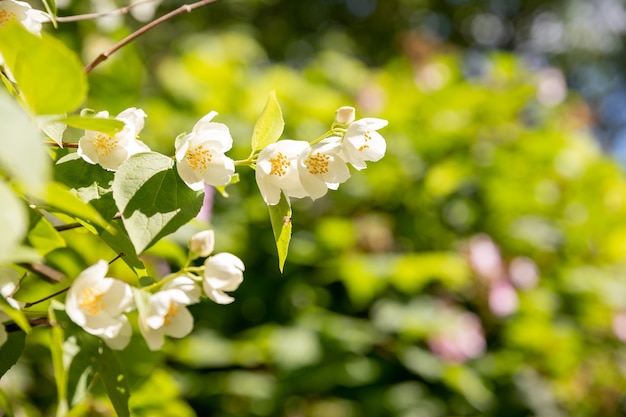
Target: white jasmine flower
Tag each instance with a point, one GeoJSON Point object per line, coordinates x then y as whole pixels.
{"type": "Point", "coordinates": [200, 154]}
{"type": "Point", "coordinates": [277, 170]}
{"type": "Point", "coordinates": [21, 11]}
{"type": "Point", "coordinates": [362, 143]}
{"type": "Point", "coordinates": [222, 272]}
{"type": "Point", "coordinates": [321, 167]}
{"type": "Point", "coordinates": [97, 303]}
{"type": "Point", "coordinates": [167, 314]}
{"type": "Point", "coordinates": [201, 244]}
{"type": "Point", "coordinates": [112, 151]}
{"type": "Point", "coordinates": [345, 115]}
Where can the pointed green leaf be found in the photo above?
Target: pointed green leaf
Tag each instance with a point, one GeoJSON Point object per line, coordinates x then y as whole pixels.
{"type": "Point", "coordinates": [13, 222]}
{"type": "Point", "coordinates": [91, 183]}
{"type": "Point", "coordinates": [17, 316]}
{"type": "Point", "coordinates": [42, 235]}
{"type": "Point", "coordinates": [52, 128]}
{"type": "Point", "coordinates": [57, 337]}
{"type": "Point", "coordinates": [11, 350]}
{"type": "Point", "coordinates": [269, 126]}
{"type": "Point", "coordinates": [22, 155]}
{"type": "Point", "coordinates": [62, 200]}
{"type": "Point", "coordinates": [115, 382]}
{"type": "Point", "coordinates": [152, 198]}
{"type": "Point", "coordinates": [280, 216]}
{"type": "Point", "coordinates": [58, 89]}
{"type": "Point", "coordinates": [99, 124]}
{"type": "Point", "coordinates": [117, 238]}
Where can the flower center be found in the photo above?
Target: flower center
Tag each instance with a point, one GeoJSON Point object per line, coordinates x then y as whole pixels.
{"type": "Point", "coordinates": [171, 313]}
{"type": "Point", "coordinates": [104, 144]}
{"type": "Point", "coordinates": [199, 158]}
{"type": "Point", "coordinates": [91, 301]}
{"type": "Point", "coordinates": [367, 138]}
{"type": "Point", "coordinates": [317, 163]}
{"type": "Point", "coordinates": [279, 164]}
{"type": "Point", "coordinates": [6, 17]}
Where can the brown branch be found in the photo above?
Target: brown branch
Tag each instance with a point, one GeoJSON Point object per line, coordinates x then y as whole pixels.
{"type": "Point", "coordinates": [184, 8]}
{"type": "Point", "coordinates": [44, 270]}
{"type": "Point", "coordinates": [63, 145]}
{"type": "Point", "coordinates": [12, 327]}
{"type": "Point", "coordinates": [89, 16]}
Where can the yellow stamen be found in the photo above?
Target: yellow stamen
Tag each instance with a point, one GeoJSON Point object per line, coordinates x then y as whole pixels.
{"type": "Point", "coordinates": [199, 158]}
{"type": "Point", "coordinates": [317, 163]}
{"type": "Point", "coordinates": [6, 17]}
{"type": "Point", "coordinates": [171, 313]}
{"type": "Point", "coordinates": [91, 301]}
{"type": "Point", "coordinates": [279, 165]}
{"type": "Point", "coordinates": [104, 144]}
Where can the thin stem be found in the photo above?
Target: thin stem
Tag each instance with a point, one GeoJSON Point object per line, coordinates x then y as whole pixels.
{"type": "Point", "coordinates": [119, 255]}
{"type": "Point", "coordinates": [321, 138]}
{"type": "Point", "coordinates": [44, 270]}
{"type": "Point", "coordinates": [184, 8]}
{"type": "Point", "coordinates": [63, 145]}
{"type": "Point", "coordinates": [28, 305]}
{"type": "Point", "coordinates": [89, 16]}
{"type": "Point", "coordinates": [10, 328]}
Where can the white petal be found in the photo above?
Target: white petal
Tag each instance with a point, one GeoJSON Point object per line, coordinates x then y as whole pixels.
{"type": "Point", "coordinates": [181, 324]}
{"type": "Point", "coordinates": [218, 296]}
{"type": "Point", "coordinates": [154, 338]}
{"type": "Point", "coordinates": [202, 243]}
{"type": "Point", "coordinates": [189, 176]}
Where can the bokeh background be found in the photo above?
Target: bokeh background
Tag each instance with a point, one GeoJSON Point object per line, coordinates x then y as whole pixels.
{"type": "Point", "coordinates": [479, 269]}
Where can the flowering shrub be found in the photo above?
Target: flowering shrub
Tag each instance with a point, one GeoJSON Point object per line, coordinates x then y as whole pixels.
{"type": "Point", "coordinates": [116, 188]}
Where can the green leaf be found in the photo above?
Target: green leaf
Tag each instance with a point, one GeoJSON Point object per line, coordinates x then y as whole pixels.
{"type": "Point", "coordinates": [53, 128]}
{"type": "Point", "coordinates": [49, 75]}
{"type": "Point", "coordinates": [91, 183]}
{"type": "Point", "coordinates": [269, 126]}
{"type": "Point", "coordinates": [22, 155]}
{"type": "Point", "coordinates": [13, 222]}
{"type": "Point", "coordinates": [17, 316]}
{"type": "Point", "coordinates": [42, 235]}
{"type": "Point", "coordinates": [117, 238]}
{"type": "Point", "coordinates": [152, 198]}
{"type": "Point", "coordinates": [115, 381]}
{"type": "Point", "coordinates": [57, 337]}
{"type": "Point", "coordinates": [62, 200]}
{"type": "Point", "coordinates": [81, 351]}
{"type": "Point", "coordinates": [280, 216]}
{"type": "Point", "coordinates": [99, 124]}
{"type": "Point", "coordinates": [11, 350]}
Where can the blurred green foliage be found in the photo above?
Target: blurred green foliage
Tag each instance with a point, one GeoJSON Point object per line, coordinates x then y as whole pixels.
{"type": "Point", "coordinates": [396, 264]}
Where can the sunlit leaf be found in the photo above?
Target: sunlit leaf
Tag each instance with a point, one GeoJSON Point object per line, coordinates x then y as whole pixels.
{"type": "Point", "coordinates": [42, 235]}
{"type": "Point", "coordinates": [62, 200]}
{"type": "Point", "coordinates": [11, 350]}
{"type": "Point", "coordinates": [57, 337]}
{"type": "Point", "coordinates": [52, 128]}
{"type": "Point", "coordinates": [14, 314]}
{"type": "Point", "coordinates": [152, 198]}
{"type": "Point", "coordinates": [13, 222]}
{"type": "Point", "coordinates": [91, 183]}
{"type": "Point", "coordinates": [99, 124]}
{"type": "Point", "coordinates": [115, 381]}
{"type": "Point", "coordinates": [58, 89]}
{"type": "Point", "coordinates": [280, 216]}
{"type": "Point", "coordinates": [22, 155]}
{"type": "Point", "coordinates": [269, 126]}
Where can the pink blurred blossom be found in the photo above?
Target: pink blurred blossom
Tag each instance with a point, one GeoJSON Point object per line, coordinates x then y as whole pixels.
{"type": "Point", "coordinates": [503, 299]}
{"type": "Point", "coordinates": [619, 325]}
{"type": "Point", "coordinates": [523, 272]}
{"type": "Point", "coordinates": [485, 258]}
{"type": "Point", "coordinates": [462, 340]}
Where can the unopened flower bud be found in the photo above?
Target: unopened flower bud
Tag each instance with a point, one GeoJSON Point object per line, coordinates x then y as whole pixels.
{"type": "Point", "coordinates": [201, 244]}
{"type": "Point", "coordinates": [345, 115]}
